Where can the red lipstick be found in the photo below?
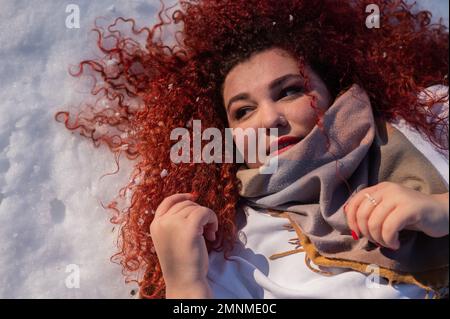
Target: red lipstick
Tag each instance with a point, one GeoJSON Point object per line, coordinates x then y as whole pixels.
{"type": "Point", "coordinates": [283, 144]}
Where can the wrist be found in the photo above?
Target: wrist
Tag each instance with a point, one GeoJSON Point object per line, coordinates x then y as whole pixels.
{"type": "Point", "coordinates": [438, 222]}
{"type": "Point", "coordinates": [443, 199]}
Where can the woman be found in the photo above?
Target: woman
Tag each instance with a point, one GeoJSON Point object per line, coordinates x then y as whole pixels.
{"type": "Point", "coordinates": [331, 86]}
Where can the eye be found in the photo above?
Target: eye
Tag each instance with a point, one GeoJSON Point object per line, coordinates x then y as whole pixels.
{"type": "Point", "coordinates": [291, 91]}
{"type": "Point", "coordinates": [243, 111]}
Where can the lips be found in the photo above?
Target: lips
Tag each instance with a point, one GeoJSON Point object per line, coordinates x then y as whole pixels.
{"type": "Point", "coordinates": [283, 144]}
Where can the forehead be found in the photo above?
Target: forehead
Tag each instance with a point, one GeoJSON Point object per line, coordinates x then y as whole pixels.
{"type": "Point", "coordinates": [257, 72]}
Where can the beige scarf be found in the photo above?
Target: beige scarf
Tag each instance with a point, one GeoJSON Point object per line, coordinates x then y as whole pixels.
{"type": "Point", "coordinates": [310, 188]}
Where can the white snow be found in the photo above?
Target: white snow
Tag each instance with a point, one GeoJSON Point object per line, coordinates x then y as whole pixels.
{"type": "Point", "coordinates": [164, 173]}
{"type": "Point", "coordinates": [52, 224]}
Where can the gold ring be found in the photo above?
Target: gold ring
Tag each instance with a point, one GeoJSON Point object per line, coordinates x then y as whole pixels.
{"type": "Point", "coordinates": [371, 199]}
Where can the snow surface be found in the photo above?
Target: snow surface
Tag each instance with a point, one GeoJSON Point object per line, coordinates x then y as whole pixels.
{"type": "Point", "coordinates": [52, 223]}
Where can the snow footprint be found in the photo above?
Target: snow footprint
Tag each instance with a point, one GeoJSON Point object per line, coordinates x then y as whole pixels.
{"type": "Point", "coordinates": [57, 211]}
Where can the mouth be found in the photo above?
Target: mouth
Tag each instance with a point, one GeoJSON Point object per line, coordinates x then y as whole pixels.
{"type": "Point", "coordinates": [283, 144]}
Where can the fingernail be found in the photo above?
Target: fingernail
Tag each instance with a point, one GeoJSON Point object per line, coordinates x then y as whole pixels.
{"type": "Point", "coordinates": [354, 235]}
{"type": "Point", "coordinates": [345, 207]}
{"type": "Point", "coordinates": [195, 194]}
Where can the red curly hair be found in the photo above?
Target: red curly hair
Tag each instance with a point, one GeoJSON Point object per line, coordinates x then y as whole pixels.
{"type": "Point", "coordinates": [143, 91]}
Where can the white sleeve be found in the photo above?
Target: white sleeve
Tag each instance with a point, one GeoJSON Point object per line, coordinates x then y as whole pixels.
{"type": "Point", "coordinates": [440, 109]}
{"type": "Point", "coordinates": [438, 157]}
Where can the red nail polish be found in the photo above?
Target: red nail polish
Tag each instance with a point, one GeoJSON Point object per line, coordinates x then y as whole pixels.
{"type": "Point", "coordinates": [195, 194]}
{"type": "Point", "coordinates": [354, 235]}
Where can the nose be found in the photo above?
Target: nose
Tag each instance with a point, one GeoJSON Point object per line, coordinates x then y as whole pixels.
{"type": "Point", "coordinates": [271, 117]}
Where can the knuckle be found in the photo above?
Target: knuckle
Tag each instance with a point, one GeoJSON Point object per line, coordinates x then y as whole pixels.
{"type": "Point", "coordinates": [154, 223]}
{"type": "Point", "coordinates": [192, 203]}
{"type": "Point", "coordinates": [388, 232]}
{"type": "Point", "coordinates": [373, 226]}
{"type": "Point", "coordinates": [201, 210]}
{"type": "Point", "coordinates": [386, 184]}
{"type": "Point", "coordinates": [154, 228]}
{"type": "Point", "coordinates": [363, 215]}
{"type": "Point", "coordinates": [350, 212]}
{"type": "Point", "coordinates": [351, 220]}
{"type": "Point", "coordinates": [392, 186]}
{"type": "Point", "coordinates": [164, 224]}
{"type": "Point", "coordinates": [348, 207]}
{"type": "Point", "coordinates": [166, 200]}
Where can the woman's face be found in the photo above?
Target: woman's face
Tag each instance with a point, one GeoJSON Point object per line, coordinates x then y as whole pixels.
{"type": "Point", "coordinates": [267, 91]}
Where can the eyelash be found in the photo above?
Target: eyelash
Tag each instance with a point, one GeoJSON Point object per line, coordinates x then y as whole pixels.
{"type": "Point", "coordinates": [299, 90]}
{"type": "Point", "coordinates": [294, 87]}
{"type": "Point", "coordinates": [238, 114]}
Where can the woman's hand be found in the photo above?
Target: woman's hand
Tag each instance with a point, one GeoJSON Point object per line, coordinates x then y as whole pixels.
{"type": "Point", "coordinates": [177, 233]}
{"type": "Point", "coordinates": [398, 208]}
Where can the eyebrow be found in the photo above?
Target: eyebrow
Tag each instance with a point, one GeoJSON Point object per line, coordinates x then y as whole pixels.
{"type": "Point", "coordinates": [275, 83]}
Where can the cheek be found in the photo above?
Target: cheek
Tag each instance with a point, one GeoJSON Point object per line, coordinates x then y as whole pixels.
{"type": "Point", "coordinates": [243, 139]}
{"type": "Point", "coordinates": [302, 114]}
{"type": "Point", "coordinates": [248, 144]}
